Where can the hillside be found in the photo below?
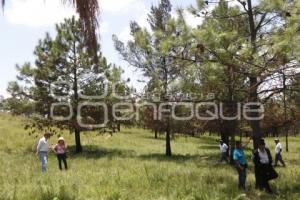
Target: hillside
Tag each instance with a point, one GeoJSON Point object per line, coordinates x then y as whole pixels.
{"type": "Point", "coordinates": [131, 165]}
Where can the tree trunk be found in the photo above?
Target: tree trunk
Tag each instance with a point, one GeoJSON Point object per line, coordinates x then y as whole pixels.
{"type": "Point", "coordinates": [232, 126]}
{"type": "Point", "coordinates": [286, 140]}
{"type": "Point", "coordinates": [119, 126]}
{"type": "Point", "coordinates": [78, 141]}
{"type": "Point", "coordinates": [255, 124]}
{"type": "Point", "coordinates": [166, 99]}
{"type": "Point", "coordinates": [75, 103]}
{"type": "Point", "coordinates": [225, 137]}
{"type": "Point", "coordinates": [285, 114]}
{"type": "Point", "coordinates": [168, 140]}
{"type": "Point", "coordinates": [232, 146]}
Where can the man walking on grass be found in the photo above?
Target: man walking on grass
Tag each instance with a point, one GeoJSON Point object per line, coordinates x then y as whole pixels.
{"type": "Point", "coordinates": [278, 150]}
{"type": "Point", "coordinates": [42, 150]}
{"type": "Point", "coordinates": [223, 149]}
{"type": "Point", "coordinates": [240, 163]}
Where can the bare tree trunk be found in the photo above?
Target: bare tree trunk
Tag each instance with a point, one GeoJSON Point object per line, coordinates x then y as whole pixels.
{"type": "Point", "coordinates": [165, 98]}
{"type": "Point", "coordinates": [75, 104]}
{"type": "Point", "coordinates": [255, 124]}
{"type": "Point", "coordinates": [78, 141]}
{"type": "Point", "coordinates": [168, 140]}
{"type": "Point", "coordinates": [232, 146]}
{"type": "Point", "coordinates": [155, 134]}
{"type": "Point", "coordinates": [285, 114]}
{"type": "Point", "coordinates": [119, 126]}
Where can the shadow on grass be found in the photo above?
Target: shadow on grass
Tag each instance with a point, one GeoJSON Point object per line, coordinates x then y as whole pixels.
{"type": "Point", "coordinates": [93, 151]}
{"type": "Point", "coordinates": [208, 139]}
{"type": "Point", "coordinates": [208, 158]}
{"type": "Point", "coordinates": [208, 147]}
{"type": "Point", "coordinates": [96, 152]}
{"type": "Point", "coordinates": [151, 137]}
{"type": "Point", "coordinates": [129, 132]}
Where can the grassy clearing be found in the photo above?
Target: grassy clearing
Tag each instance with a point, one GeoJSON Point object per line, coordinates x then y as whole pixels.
{"type": "Point", "coordinates": [130, 165]}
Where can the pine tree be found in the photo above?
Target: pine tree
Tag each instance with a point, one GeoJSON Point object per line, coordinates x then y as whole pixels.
{"type": "Point", "coordinates": [64, 59]}
{"type": "Point", "coordinates": [151, 52]}
{"type": "Point", "coordinates": [255, 49]}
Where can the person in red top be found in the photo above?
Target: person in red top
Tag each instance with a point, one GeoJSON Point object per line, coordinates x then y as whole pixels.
{"type": "Point", "coordinates": [60, 150]}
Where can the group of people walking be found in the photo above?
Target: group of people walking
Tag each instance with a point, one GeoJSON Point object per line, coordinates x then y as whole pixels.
{"type": "Point", "coordinates": [60, 149]}
{"type": "Point", "coordinates": [264, 171]}
{"type": "Point", "coordinates": [262, 158]}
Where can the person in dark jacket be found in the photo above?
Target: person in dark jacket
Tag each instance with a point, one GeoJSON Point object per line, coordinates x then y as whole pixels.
{"type": "Point", "coordinates": [262, 140]}
{"type": "Point", "coordinates": [263, 166]}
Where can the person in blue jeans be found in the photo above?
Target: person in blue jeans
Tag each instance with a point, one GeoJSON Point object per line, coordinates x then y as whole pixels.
{"type": "Point", "coordinates": [42, 150]}
{"type": "Point", "coordinates": [241, 163]}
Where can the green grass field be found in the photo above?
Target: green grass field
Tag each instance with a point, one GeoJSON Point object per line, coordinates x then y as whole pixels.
{"type": "Point", "coordinates": [131, 165]}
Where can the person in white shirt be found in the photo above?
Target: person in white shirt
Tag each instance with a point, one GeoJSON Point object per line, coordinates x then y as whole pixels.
{"type": "Point", "coordinates": [223, 149]}
{"type": "Point", "coordinates": [42, 150]}
{"type": "Point", "coordinates": [278, 150]}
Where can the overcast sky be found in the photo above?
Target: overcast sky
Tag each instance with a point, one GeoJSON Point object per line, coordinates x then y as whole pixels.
{"type": "Point", "coordinates": [24, 22]}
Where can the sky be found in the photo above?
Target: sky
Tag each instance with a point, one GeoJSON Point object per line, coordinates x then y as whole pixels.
{"type": "Point", "coordinates": [24, 22]}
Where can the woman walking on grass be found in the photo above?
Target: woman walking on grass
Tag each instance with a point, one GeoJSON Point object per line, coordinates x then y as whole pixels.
{"type": "Point", "coordinates": [60, 150]}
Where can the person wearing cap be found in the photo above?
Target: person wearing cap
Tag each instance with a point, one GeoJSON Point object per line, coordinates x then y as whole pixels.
{"type": "Point", "coordinates": [278, 150]}
{"type": "Point", "coordinates": [42, 150]}
{"type": "Point", "coordinates": [60, 150]}
{"type": "Point", "coordinates": [223, 149]}
{"type": "Point", "coordinates": [241, 163]}
{"type": "Point", "coordinates": [263, 167]}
